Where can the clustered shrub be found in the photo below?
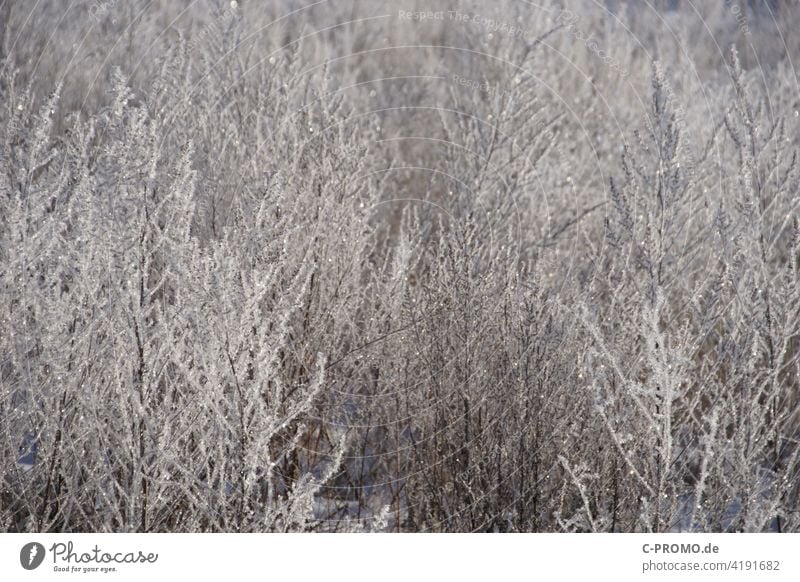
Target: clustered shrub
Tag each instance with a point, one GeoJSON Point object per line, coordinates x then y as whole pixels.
{"type": "Point", "coordinates": [326, 267]}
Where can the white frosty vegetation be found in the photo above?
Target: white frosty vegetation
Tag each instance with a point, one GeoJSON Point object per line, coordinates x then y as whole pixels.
{"type": "Point", "coordinates": [259, 272]}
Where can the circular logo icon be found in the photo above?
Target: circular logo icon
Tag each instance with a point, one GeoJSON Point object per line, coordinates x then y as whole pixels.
{"type": "Point", "coordinates": [31, 555]}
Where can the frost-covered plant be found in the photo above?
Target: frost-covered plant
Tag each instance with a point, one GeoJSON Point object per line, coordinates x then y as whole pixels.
{"type": "Point", "coordinates": [332, 267]}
